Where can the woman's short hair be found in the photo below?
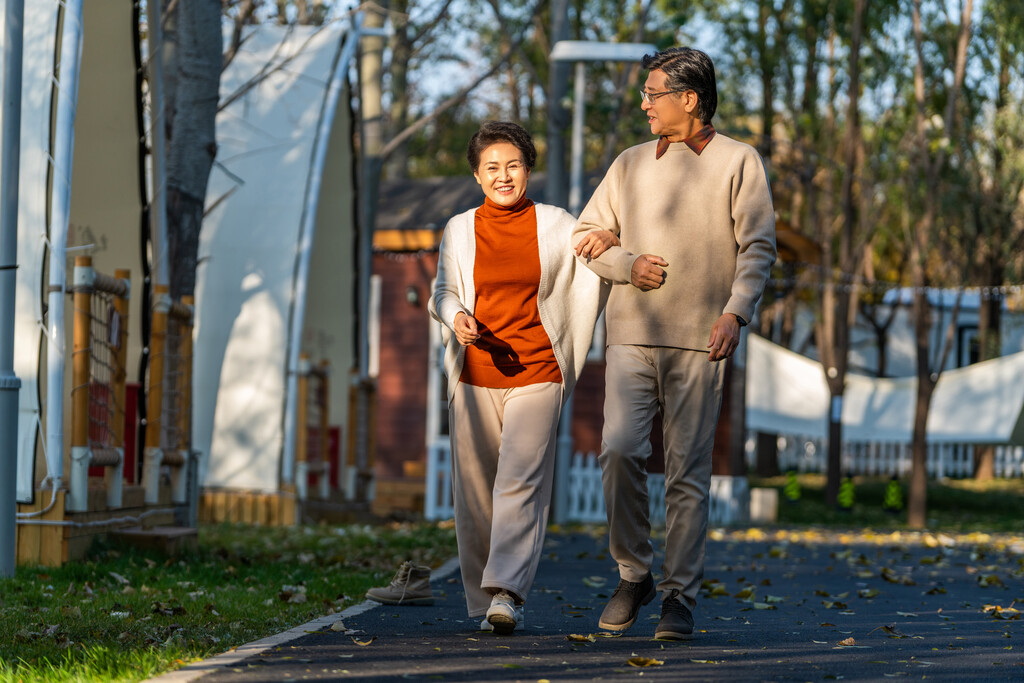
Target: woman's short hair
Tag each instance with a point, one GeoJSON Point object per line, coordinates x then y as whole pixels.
{"type": "Point", "coordinates": [493, 132]}
{"type": "Point", "coordinates": [688, 68]}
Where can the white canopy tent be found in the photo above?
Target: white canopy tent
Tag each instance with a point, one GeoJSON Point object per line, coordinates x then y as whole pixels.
{"type": "Point", "coordinates": [79, 113]}
{"type": "Point", "coordinates": [980, 403]}
{"type": "Point", "coordinates": [277, 261]}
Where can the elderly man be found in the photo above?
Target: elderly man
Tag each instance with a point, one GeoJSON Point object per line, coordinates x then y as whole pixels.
{"type": "Point", "coordinates": [693, 211]}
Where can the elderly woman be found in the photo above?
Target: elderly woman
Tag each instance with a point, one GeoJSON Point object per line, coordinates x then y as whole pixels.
{"type": "Point", "coordinates": [518, 317]}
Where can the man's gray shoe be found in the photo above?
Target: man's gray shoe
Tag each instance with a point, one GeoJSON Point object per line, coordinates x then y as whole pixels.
{"type": "Point", "coordinates": [676, 619]}
{"type": "Point", "coordinates": [410, 586]}
{"type": "Point", "coordinates": [622, 610]}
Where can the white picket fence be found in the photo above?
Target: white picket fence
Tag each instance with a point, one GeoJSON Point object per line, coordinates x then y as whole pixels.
{"type": "Point", "coordinates": [729, 495]}
{"type": "Point", "coordinates": [945, 460]}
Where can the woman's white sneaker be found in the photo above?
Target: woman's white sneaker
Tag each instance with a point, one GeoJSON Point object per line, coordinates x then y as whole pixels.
{"type": "Point", "coordinates": [503, 616]}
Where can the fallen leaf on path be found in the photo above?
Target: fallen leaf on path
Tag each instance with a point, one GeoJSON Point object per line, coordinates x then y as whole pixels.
{"type": "Point", "coordinates": [847, 642]}
{"type": "Point", "coordinates": [997, 612]}
{"type": "Point", "coordinates": [893, 632]}
{"type": "Point", "coordinates": [644, 661]}
{"type": "Point", "coordinates": [579, 638]}
{"type": "Point", "coordinates": [868, 593]}
{"type": "Point", "coordinates": [892, 577]}
{"type": "Point", "coordinates": [338, 626]}
{"type": "Point", "coordinates": [594, 581]}
{"type": "Point", "coordinates": [364, 642]}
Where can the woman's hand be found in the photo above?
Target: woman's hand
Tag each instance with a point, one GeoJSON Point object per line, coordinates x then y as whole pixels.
{"type": "Point", "coordinates": [595, 243]}
{"type": "Point", "coordinates": [465, 329]}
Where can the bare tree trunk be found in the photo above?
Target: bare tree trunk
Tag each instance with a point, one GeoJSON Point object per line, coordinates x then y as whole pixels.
{"type": "Point", "coordinates": [397, 167]}
{"type": "Point", "coordinates": [767, 79]}
{"type": "Point", "coordinates": [835, 350]}
{"type": "Point", "coordinates": [191, 134]}
{"type": "Point", "coordinates": [929, 166]}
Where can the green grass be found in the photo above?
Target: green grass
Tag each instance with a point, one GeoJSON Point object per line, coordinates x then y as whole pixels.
{"type": "Point", "coordinates": [125, 615]}
{"type": "Point", "coordinates": [954, 505]}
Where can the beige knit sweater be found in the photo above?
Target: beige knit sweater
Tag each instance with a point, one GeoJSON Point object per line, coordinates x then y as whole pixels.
{"type": "Point", "coordinates": [709, 215]}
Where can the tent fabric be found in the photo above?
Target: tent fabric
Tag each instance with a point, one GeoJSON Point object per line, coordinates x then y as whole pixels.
{"type": "Point", "coordinates": [40, 35]}
{"type": "Point", "coordinates": [245, 289]}
{"type": "Point", "coordinates": [980, 403]}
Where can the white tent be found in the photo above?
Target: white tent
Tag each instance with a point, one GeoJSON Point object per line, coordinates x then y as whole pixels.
{"type": "Point", "coordinates": [79, 121]}
{"type": "Point", "coordinates": [277, 256]}
{"type": "Point", "coordinates": [980, 403]}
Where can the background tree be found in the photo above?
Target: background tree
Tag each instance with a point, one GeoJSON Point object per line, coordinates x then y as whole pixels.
{"type": "Point", "coordinates": [935, 145]}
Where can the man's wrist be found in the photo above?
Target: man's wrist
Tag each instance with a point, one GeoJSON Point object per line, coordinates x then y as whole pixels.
{"type": "Point", "coordinates": [740, 320]}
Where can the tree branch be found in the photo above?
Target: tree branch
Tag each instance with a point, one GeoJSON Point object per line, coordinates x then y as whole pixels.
{"type": "Point", "coordinates": [458, 97]}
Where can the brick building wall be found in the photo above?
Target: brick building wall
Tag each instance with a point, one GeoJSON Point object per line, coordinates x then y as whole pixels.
{"type": "Point", "coordinates": [404, 356]}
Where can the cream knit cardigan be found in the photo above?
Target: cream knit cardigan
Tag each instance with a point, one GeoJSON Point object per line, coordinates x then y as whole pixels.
{"type": "Point", "coordinates": [569, 297]}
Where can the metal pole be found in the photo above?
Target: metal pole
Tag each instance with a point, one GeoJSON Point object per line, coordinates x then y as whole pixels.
{"type": "Point", "coordinates": [555, 191]}
{"type": "Point", "coordinates": [10, 160]}
{"type": "Point", "coordinates": [563, 452]}
{"type": "Point", "coordinates": [576, 187]}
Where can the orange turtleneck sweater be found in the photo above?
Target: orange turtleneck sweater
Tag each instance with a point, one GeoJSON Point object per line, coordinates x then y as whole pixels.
{"type": "Point", "coordinates": [513, 349]}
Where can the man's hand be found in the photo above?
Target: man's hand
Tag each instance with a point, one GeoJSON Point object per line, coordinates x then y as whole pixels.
{"type": "Point", "coordinates": [465, 329]}
{"type": "Point", "coordinates": [595, 243]}
{"type": "Point", "coordinates": [725, 337]}
{"type": "Point", "coordinates": [648, 272]}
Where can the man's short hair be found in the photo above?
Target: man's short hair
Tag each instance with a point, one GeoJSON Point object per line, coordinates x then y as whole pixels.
{"type": "Point", "coordinates": [688, 68]}
{"type": "Point", "coordinates": [493, 132]}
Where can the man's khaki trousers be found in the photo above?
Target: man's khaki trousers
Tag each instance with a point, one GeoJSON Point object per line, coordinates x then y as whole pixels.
{"type": "Point", "coordinates": [503, 459]}
{"type": "Point", "coordinates": [687, 389]}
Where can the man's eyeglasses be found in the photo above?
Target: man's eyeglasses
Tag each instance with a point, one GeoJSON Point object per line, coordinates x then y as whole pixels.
{"type": "Point", "coordinates": [649, 97]}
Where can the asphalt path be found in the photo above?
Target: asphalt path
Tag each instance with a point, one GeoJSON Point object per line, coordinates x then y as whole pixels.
{"type": "Point", "coordinates": [777, 605]}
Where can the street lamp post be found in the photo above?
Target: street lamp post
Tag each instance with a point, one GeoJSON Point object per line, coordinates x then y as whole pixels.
{"type": "Point", "coordinates": [580, 52]}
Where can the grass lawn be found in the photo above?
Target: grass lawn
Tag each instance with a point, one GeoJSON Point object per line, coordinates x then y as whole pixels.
{"type": "Point", "coordinates": [125, 615]}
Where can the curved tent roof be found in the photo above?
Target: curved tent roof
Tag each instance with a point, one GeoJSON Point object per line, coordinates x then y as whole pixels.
{"type": "Point", "coordinates": [275, 255]}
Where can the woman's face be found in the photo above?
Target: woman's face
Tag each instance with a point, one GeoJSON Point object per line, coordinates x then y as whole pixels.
{"type": "Point", "coordinates": [502, 173]}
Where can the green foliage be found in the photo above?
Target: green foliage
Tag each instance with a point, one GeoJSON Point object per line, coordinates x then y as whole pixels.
{"type": "Point", "coordinates": [954, 505]}
{"type": "Point", "coordinates": [125, 615]}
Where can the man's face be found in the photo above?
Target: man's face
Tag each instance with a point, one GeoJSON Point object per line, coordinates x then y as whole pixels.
{"type": "Point", "coordinates": [668, 114]}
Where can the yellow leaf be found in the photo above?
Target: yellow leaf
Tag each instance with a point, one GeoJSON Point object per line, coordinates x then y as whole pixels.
{"type": "Point", "coordinates": [764, 605]}
{"type": "Point", "coordinates": [868, 593]}
{"type": "Point", "coordinates": [703, 661]}
{"type": "Point", "coordinates": [745, 594]}
{"type": "Point", "coordinates": [773, 599]}
{"type": "Point", "coordinates": [644, 661]}
{"type": "Point", "coordinates": [364, 642]}
{"type": "Point", "coordinates": [578, 638]}
{"type": "Point", "coordinates": [847, 642]}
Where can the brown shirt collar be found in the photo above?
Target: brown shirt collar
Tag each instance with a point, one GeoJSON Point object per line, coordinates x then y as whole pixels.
{"type": "Point", "coordinates": [697, 142]}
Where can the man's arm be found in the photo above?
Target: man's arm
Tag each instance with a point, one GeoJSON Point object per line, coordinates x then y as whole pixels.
{"type": "Point", "coordinates": [615, 263]}
{"type": "Point", "coordinates": [754, 229]}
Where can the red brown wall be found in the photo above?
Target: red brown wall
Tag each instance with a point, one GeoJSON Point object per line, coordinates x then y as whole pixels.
{"type": "Point", "coordinates": [404, 355]}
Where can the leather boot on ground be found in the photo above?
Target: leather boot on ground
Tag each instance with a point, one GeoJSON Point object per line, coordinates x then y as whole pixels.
{"type": "Point", "coordinates": [410, 586]}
